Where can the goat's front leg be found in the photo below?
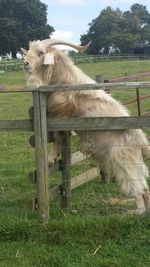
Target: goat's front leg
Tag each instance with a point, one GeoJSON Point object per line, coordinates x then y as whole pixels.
{"type": "Point", "coordinates": [56, 148]}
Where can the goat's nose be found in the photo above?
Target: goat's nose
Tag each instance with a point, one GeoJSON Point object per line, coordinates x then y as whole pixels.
{"type": "Point", "coordinates": [26, 63]}
{"type": "Point", "coordinates": [27, 66]}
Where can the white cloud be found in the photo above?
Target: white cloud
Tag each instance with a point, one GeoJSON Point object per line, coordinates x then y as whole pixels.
{"type": "Point", "coordinates": [94, 2]}
{"type": "Point", "coordinates": [64, 20]}
{"type": "Point", "coordinates": [63, 35]}
{"type": "Point", "coordinates": [122, 4]}
{"type": "Point", "coordinates": [72, 2]}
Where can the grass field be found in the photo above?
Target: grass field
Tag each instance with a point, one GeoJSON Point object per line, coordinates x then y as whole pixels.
{"type": "Point", "coordinates": [96, 232]}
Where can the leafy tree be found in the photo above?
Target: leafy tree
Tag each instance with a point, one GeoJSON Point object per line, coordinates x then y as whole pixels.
{"type": "Point", "coordinates": [21, 21]}
{"type": "Point", "coordinates": [117, 29]}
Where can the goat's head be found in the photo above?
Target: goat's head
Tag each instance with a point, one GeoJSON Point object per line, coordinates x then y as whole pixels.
{"type": "Point", "coordinates": [40, 53]}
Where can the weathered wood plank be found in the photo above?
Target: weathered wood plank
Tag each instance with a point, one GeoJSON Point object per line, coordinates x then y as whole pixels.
{"type": "Point", "coordinates": [96, 86]}
{"type": "Point", "coordinates": [82, 124]}
{"type": "Point", "coordinates": [21, 89]}
{"type": "Point", "coordinates": [99, 78]}
{"type": "Point", "coordinates": [40, 128]}
{"type": "Point", "coordinates": [44, 160]}
{"type": "Point", "coordinates": [75, 182]}
{"type": "Point", "coordinates": [75, 87]}
{"type": "Point", "coordinates": [107, 123]}
{"type": "Point", "coordinates": [128, 102]}
{"type": "Point", "coordinates": [16, 125]}
{"type": "Point", "coordinates": [84, 178]}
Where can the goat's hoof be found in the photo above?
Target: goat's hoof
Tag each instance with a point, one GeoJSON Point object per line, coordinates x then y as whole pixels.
{"type": "Point", "coordinates": [146, 213]}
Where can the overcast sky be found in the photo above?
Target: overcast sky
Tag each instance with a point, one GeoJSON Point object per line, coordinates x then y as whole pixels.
{"type": "Point", "coordinates": [70, 18]}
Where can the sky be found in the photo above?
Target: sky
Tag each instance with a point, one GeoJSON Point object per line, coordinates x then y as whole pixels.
{"type": "Point", "coordinates": [70, 18]}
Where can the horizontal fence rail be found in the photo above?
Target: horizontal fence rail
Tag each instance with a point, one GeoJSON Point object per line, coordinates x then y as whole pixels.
{"type": "Point", "coordinates": [80, 87]}
{"type": "Point", "coordinates": [16, 125]}
{"type": "Point", "coordinates": [131, 78]}
{"type": "Point", "coordinates": [82, 124]}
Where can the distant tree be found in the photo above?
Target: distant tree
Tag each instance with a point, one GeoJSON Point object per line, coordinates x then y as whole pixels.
{"type": "Point", "coordinates": [21, 21]}
{"type": "Point", "coordinates": [73, 53]}
{"type": "Point", "coordinates": [117, 29]}
{"type": "Point", "coordinates": [138, 24]}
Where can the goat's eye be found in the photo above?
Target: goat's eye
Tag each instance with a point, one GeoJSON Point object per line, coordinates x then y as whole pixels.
{"type": "Point", "coordinates": [40, 53]}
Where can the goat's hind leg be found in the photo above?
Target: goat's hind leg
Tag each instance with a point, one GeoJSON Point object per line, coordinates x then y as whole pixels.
{"type": "Point", "coordinates": [143, 200]}
{"type": "Point", "coordinates": [146, 198]}
{"type": "Point", "coordinates": [132, 173]}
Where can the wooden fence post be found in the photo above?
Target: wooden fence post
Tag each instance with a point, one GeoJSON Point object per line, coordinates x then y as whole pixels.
{"type": "Point", "coordinates": [99, 78]}
{"type": "Point", "coordinates": [40, 128]}
{"type": "Point", "coordinates": [65, 169]}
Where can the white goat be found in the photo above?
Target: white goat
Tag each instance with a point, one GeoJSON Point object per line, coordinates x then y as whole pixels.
{"type": "Point", "coordinates": [118, 153]}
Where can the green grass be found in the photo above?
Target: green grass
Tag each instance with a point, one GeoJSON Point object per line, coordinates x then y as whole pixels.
{"type": "Point", "coordinates": [94, 232]}
{"type": "Point", "coordinates": [73, 240]}
{"type": "Point", "coordinates": [11, 79]}
{"type": "Point", "coordinates": [116, 69]}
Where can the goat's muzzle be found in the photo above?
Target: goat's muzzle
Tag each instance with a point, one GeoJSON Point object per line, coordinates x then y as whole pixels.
{"type": "Point", "coordinates": [27, 67]}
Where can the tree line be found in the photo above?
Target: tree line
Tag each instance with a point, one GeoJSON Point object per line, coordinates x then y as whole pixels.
{"type": "Point", "coordinates": [118, 30]}
{"type": "Point", "coordinates": [24, 20]}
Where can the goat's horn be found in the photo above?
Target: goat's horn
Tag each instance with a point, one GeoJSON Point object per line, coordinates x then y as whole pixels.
{"type": "Point", "coordinates": [51, 42]}
{"type": "Point", "coordinates": [24, 51]}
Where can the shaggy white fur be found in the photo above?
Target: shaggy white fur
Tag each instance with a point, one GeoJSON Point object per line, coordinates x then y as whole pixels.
{"type": "Point", "coordinates": [118, 153]}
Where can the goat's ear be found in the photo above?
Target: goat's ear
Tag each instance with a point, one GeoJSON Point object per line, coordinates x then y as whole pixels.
{"type": "Point", "coordinates": [49, 59]}
{"type": "Point", "coordinates": [24, 51]}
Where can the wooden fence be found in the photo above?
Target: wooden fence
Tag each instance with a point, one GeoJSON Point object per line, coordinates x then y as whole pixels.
{"type": "Point", "coordinates": [41, 125]}
{"type": "Point", "coordinates": [138, 99]}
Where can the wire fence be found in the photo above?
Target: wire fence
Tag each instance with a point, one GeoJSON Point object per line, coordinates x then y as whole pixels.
{"type": "Point", "coordinates": [99, 58]}
{"type": "Point", "coordinates": [17, 65]}
{"type": "Point", "coordinates": [10, 65]}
